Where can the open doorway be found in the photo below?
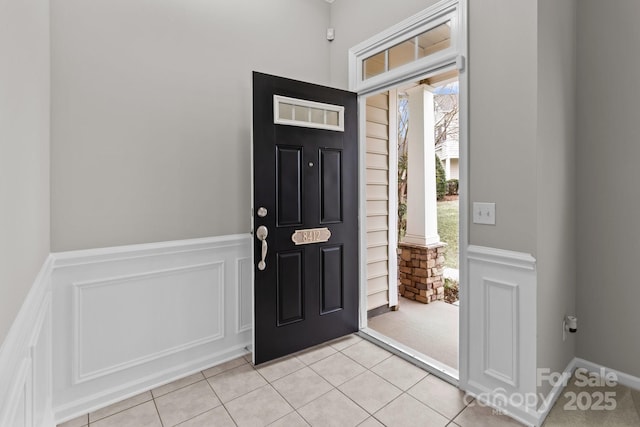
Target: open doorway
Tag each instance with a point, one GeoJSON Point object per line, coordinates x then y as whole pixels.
{"type": "Point", "coordinates": [412, 294]}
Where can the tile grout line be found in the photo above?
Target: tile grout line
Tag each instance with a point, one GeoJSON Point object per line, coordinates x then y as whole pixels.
{"type": "Point", "coordinates": [179, 388]}
{"type": "Point", "coordinates": [356, 403]}
{"type": "Point", "coordinates": [322, 358]}
{"type": "Point", "coordinates": [294, 371]}
{"type": "Point", "coordinates": [362, 373]}
{"type": "Point", "coordinates": [403, 392]}
{"type": "Point", "coordinates": [368, 369]}
{"type": "Point", "coordinates": [412, 386]}
{"type": "Point", "coordinates": [461, 411]}
{"type": "Point", "coordinates": [319, 374]}
{"type": "Point", "coordinates": [346, 355]}
{"type": "Point", "coordinates": [218, 397]}
{"type": "Point", "coordinates": [157, 411]}
{"type": "Point", "coordinates": [119, 412]}
{"type": "Point", "coordinates": [277, 391]}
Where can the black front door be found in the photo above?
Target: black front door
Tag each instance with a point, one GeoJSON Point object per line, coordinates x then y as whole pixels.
{"type": "Point", "coordinates": [305, 202]}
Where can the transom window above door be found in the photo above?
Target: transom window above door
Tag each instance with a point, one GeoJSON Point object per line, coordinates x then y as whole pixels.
{"type": "Point", "coordinates": [411, 50]}
{"type": "Point", "coordinates": [426, 42]}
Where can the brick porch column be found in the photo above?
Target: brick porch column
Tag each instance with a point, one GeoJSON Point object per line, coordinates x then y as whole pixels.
{"type": "Point", "coordinates": [421, 272]}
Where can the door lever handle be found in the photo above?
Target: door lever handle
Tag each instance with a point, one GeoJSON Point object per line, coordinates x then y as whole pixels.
{"type": "Point", "coordinates": [261, 234]}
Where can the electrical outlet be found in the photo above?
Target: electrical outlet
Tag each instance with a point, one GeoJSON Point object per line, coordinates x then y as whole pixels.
{"type": "Point", "coordinates": [484, 213]}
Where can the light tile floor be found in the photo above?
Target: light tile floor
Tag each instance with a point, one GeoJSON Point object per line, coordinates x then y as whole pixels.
{"type": "Point", "coordinates": [346, 382]}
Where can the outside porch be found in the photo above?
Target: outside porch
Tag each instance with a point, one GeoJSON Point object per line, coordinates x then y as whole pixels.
{"type": "Point", "coordinates": [431, 329]}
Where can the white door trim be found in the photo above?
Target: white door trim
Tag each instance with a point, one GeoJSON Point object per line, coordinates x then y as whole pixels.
{"type": "Point", "coordinates": [463, 191]}
{"type": "Point", "coordinates": [393, 199]}
{"type": "Point", "coordinates": [388, 80]}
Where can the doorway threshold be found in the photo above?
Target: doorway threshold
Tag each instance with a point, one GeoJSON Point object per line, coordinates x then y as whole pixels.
{"type": "Point", "coordinates": [434, 367]}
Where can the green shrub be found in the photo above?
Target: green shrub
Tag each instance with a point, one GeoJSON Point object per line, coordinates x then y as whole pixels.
{"type": "Point", "coordinates": [441, 180]}
{"type": "Point", "coordinates": [452, 187]}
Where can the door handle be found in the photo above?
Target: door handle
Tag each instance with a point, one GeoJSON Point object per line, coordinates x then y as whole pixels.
{"type": "Point", "coordinates": [261, 234]}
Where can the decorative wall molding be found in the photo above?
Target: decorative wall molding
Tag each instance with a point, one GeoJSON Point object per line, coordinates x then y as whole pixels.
{"type": "Point", "coordinates": [501, 257]}
{"type": "Point", "coordinates": [244, 291]}
{"type": "Point", "coordinates": [131, 318]}
{"type": "Point", "coordinates": [82, 310]}
{"type": "Point", "coordinates": [502, 328]}
{"type": "Point", "coordinates": [501, 325]}
{"type": "Point", "coordinates": [25, 359]}
{"type": "Point", "coordinates": [145, 250]}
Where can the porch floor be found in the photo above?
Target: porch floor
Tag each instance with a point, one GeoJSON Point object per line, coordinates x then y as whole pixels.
{"type": "Point", "coordinates": [431, 329]}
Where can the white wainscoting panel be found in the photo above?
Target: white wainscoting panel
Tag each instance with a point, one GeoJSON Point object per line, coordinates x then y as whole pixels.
{"type": "Point", "coordinates": [25, 360]}
{"type": "Point", "coordinates": [129, 319]}
{"type": "Point", "coordinates": [502, 330]}
{"type": "Point", "coordinates": [156, 316]}
{"type": "Point", "coordinates": [244, 288]}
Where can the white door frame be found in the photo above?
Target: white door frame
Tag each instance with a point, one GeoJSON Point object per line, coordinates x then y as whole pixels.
{"type": "Point", "coordinates": [454, 57]}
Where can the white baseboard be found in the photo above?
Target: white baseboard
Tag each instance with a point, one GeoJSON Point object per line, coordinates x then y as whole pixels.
{"type": "Point", "coordinates": [25, 359]}
{"type": "Point", "coordinates": [576, 363]}
{"type": "Point", "coordinates": [622, 378]}
{"type": "Point", "coordinates": [124, 391]}
{"type": "Point", "coordinates": [555, 392]}
{"type": "Point", "coordinates": [131, 318]}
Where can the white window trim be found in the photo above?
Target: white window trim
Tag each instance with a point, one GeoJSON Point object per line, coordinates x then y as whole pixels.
{"type": "Point", "coordinates": [424, 21]}
{"type": "Point", "coordinates": [278, 99]}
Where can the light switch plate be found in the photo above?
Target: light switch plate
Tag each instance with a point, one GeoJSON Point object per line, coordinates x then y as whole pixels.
{"type": "Point", "coordinates": [484, 213]}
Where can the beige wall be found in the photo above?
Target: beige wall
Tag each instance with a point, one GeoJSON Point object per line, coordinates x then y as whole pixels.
{"type": "Point", "coordinates": [502, 120]}
{"type": "Point", "coordinates": [608, 205]}
{"type": "Point", "coordinates": [151, 106]}
{"type": "Point", "coordinates": [556, 213]}
{"type": "Point", "coordinates": [24, 151]}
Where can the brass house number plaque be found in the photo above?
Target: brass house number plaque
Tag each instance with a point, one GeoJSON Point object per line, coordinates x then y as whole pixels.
{"type": "Point", "coordinates": [311, 235]}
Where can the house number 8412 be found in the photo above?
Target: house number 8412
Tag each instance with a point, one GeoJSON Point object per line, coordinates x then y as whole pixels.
{"type": "Point", "coordinates": [310, 235]}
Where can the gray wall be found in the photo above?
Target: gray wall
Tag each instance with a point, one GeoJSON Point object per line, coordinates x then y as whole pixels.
{"type": "Point", "coordinates": [502, 120]}
{"type": "Point", "coordinates": [151, 106]}
{"type": "Point", "coordinates": [556, 261]}
{"type": "Point", "coordinates": [608, 207]}
{"type": "Point", "coordinates": [24, 151]}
